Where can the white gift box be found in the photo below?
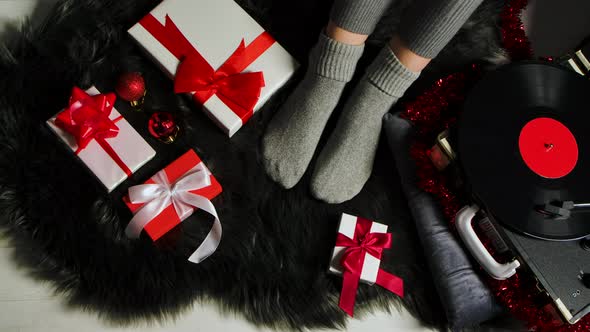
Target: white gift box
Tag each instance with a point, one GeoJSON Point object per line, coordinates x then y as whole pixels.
{"type": "Point", "coordinates": [215, 28]}
{"type": "Point", "coordinates": [131, 148]}
{"type": "Point", "coordinates": [371, 264]}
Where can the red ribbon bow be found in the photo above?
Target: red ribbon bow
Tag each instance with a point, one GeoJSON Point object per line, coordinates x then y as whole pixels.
{"type": "Point", "coordinates": [87, 118]}
{"type": "Point", "coordinates": [353, 260]}
{"type": "Point", "coordinates": [239, 91]}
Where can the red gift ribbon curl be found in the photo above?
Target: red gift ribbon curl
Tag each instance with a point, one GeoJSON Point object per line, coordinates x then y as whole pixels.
{"type": "Point", "coordinates": [238, 90]}
{"type": "Point", "coordinates": [87, 118]}
{"type": "Point", "coordinates": [364, 242]}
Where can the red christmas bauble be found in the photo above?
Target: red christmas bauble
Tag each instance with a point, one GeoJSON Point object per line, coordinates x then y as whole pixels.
{"type": "Point", "coordinates": [130, 86]}
{"type": "Point", "coordinates": [163, 126]}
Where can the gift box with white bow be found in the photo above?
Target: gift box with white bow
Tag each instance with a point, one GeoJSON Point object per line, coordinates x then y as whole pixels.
{"type": "Point", "coordinates": [217, 53]}
{"type": "Point", "coordinates": [103, 140]}
{"type": "Point", "coordinates": [186, 174]}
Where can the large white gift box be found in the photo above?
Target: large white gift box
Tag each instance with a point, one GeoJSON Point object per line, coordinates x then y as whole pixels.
{"type": "Point", "coordinates": [127, 149]}
{"type": "Point", "coordinates": [200, 36]}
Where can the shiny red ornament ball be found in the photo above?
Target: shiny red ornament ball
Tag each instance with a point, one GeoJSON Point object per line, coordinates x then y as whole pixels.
{"type": "Point", "coordinates": [163, 126]}
{"type": "Point", "coordinates": [130, 86]}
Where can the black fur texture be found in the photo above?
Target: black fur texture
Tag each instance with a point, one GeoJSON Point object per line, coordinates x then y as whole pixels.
{"type": "Point", "coordinates": [272, 262]}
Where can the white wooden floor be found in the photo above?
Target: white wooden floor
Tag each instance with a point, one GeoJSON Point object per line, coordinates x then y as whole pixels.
{"type": "Point", "coordinates": [27, 306]}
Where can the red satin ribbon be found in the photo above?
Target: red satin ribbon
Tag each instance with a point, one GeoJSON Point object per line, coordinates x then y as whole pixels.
{"type": "Point", "coordinates": [239, 91]}
{"type": "Point", "coordinates": [353, 259]}
{"type": "Point", "coordinates": [87, 118]}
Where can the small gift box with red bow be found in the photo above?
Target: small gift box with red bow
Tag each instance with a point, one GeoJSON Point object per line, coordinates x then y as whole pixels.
{"type": "Point", "coordinates": [105, 142]}
{"type": "Point", "coordinates": [171, 196]}
{"type": "Point", "coordinates": [216, 53]}
{"type": "Point", "coordinates": [357, 257]}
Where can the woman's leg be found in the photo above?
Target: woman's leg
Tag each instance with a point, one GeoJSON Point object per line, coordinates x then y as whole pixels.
{"type": "Point", "coordinates": [293, 134]}
{"type": "Point", "coordinates": [346, 162]}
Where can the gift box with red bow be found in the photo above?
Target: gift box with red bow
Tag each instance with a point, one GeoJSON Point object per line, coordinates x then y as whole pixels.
{"type": "Point", "coordinates": [105, 142]}
{"type": "Point", "coordinates": [357, 257]}
{"type": "Point", "coordinates": [217, 53]}
{"type": "Point", "coordinates": [171, 196]}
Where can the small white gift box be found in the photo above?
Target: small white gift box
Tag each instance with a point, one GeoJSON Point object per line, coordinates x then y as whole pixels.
{"type": "Point", "coordinates": [126, 152]}
{"type": "Point", "coordinates": [348, 228]}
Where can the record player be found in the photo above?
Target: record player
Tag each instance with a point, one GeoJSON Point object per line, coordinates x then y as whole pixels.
{"type": "Point", "coordinates": [521, 150]}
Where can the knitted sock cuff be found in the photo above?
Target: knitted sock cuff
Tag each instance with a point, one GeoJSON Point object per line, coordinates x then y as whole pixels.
{"type": "Point", "coordinates": [335, 60]}
{"type": "Point", "coordinates": [389, 75]}
{"type": "Point", "coordinates": [358, 16]}
{"type": "Point", "coordinates": [428, 27]}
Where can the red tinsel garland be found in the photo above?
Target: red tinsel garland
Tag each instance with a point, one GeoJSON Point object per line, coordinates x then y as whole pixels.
{"type": "Point", "coordinates": [436, 110]}
{"type": "Point", "coordinates": [514, 37]}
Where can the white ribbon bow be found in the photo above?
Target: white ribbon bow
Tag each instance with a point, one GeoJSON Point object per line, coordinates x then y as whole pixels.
{"type": "Point", "coordinates": [159, 195]}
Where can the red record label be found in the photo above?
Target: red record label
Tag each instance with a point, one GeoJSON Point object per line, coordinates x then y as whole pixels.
{"type": "Point", "coordinates": [548, 148]}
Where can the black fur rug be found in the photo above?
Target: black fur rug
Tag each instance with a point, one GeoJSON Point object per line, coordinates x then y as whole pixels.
{"type": "Point", "coordinates": [271, 265]}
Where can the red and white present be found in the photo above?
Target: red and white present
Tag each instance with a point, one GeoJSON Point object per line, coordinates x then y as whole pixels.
{"type": "Point", "coordinates": [105, 142]}
{"type": "Point", "coordinates": [162, 223]}
{"type": "Point", "coordinates": [171, 196]}
{"type": "Point", "coordinates": [348, 227]}
{"type": "Point", "coordinates": [216, 52]}
{"type": "Point", "coordinates": [357, 257]}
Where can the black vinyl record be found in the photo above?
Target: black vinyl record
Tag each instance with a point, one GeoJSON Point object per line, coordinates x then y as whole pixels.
{"type": "Point", "coordinates": [524, 141]}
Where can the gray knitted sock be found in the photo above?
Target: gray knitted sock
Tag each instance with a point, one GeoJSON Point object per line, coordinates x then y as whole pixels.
{"type": "Point", "coordinates": [293, 134]}
{"type": "Point", "coordinates": [346, 162]}
{"type": "Point", "coordinates": [428, 25]}
{"type": "Point", "coordinates": [358, 16]}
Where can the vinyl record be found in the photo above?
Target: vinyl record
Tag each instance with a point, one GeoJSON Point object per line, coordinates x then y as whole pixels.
{"type": "Point", "coordinates": [524, 141]}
